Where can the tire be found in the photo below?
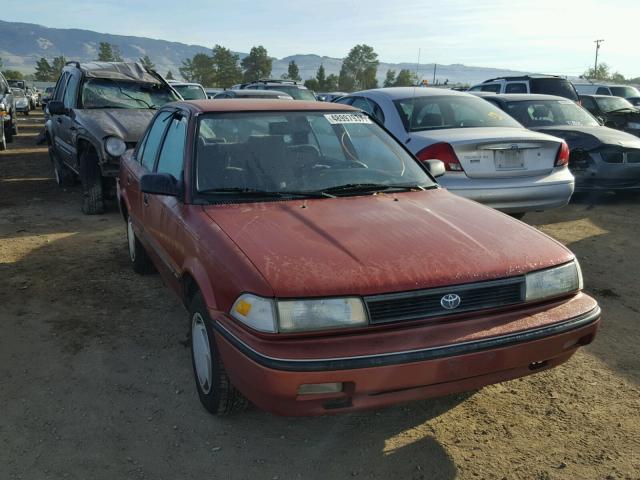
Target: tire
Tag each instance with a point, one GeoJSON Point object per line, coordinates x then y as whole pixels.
{"type": "Point", "coordinates": [91, 178]}
{"type": "Point", "coordinates": [8, 131]}
{"type": "Point", "coordinates": [140, 261]}
{"type": "Point", "coordinates": [217, 393]}
{"type": "Point", "coordinates": [63, 175]}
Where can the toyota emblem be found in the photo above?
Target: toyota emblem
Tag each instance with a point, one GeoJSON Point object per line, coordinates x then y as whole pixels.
{"type": "Point", "coordinates": [450, 301]}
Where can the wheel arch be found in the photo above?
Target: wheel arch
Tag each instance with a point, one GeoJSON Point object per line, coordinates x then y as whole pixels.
{"type": "Point", "coordinates": [195, 279]}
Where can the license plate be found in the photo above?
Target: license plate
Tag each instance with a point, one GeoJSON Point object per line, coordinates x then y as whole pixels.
{"type": "Point", "coordinates": [509, 160]}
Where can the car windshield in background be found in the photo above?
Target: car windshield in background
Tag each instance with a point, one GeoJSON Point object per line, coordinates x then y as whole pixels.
{"type": "Point", "coordinates": [296, 93]}
{"type": "Point", "coordinates": [450, 111]}
{"type": "Point", "coordinates": [300, 153]}
{"type": "Point", "coordinates": [542, 113]}
{"type": "Point", "coordinates": [191, 92]}
{"type": "Point", "coordinates": [553, 86]}
{"type": "Point", "coordinates": [107, 93]}
{"type": "Point", "coordinates": [613, 104]}
{"type": "Point", "coordinates": [625, 92]}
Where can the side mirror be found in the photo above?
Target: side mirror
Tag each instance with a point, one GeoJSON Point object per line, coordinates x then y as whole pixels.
{"type": "Point", "coordinates": [160, 184]}
{"type": "Point", "coordinates": [436, 167]}
{"type": "Point", "coordinates": [56, 107]}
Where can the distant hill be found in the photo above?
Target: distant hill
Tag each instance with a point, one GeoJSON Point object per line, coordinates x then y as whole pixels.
{"type": "Point", "coordinates": [22, 44]}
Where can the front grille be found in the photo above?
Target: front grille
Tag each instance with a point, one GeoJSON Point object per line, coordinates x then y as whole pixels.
{"type": "Point", "coordinates": [396, 307]}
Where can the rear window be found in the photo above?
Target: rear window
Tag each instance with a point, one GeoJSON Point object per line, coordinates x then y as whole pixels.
{"type": "Point", "coordinates": [296, 92]}
{"type": "Point", "coordinates": [553, 86]}
{"type": "Point", "coordinates": [190, 92]}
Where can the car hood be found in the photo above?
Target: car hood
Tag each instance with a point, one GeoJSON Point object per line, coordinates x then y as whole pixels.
{"type": "Point", "coordinates": [128, 124]}
{"type": "Point", "coordinates": [382, 243]}
{"type": "Point", "coordinates": [588, 138]}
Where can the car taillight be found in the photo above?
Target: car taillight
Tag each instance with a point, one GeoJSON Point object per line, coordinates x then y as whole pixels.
{"type": "Point", "coordinates": [562, 158]}
{"type": "Point", "coordinates": [444, 152]}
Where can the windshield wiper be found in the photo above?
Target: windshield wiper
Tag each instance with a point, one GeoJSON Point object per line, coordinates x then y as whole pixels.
{"type": "Point", "coordinates": [254, 192]}
{"type": "Point", "coordinates": [372, 187]}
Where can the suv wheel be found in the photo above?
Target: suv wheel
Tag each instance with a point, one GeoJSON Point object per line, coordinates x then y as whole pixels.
{"type": "Point", "coordinates": [91, 178]}
{"type": "Point", "coordinates": [215, 390]}
{"type": "Point", "coordinates": [14, 125]}
{"type": "Point", "coordinates": [64, 176]}
{"type": "Point", "coordinates": [8, 131]}
{"type": "Point", "coordinates": [140, 261]}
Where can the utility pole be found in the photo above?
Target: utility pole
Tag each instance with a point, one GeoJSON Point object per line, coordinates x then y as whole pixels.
{"type": "Point", "coordinates": [434, 73]}
{"type": "Point", "coordinates": [595, 67]}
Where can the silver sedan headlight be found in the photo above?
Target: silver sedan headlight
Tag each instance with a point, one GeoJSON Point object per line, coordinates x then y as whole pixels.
{"type": "Point", "coordinates": [115, 146]}
{"type": "Point", "coordinates": [553, 282]}
{"type": "Point", "coordinates": [287, 316]}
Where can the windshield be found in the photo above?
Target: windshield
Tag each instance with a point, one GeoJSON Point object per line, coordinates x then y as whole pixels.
{"type": "Point", "coordinates": [550, 112]}
{"type": "Point", "coordinates": [191, 92]}
{"type": "Point", "coordinates": [612, 104]}
{"type": "Point", "coordinates": [296, 92]}
{"type": "Point", "coordinates": [299, 152]}
{"type": "Point", "coordinates": [554, 86]}
{"type": "Point", "coordinates": [108, 93]}
{"type": "Point", "coordinates": [625, 92]}
{"type": "Point", "coordinates": [450, 111]}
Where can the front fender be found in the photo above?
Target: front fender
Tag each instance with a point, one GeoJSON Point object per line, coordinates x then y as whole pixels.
{"type": "Point", "coordinates": [193, 267]}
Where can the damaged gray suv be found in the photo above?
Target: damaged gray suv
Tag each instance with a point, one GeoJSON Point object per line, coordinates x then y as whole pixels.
{"type": "Point", "coordinates": [99, 110]}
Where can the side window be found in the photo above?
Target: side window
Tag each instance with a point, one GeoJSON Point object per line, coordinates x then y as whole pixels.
{"type": "Point", "coordinates": [588, 103]}
{"type": "Point", "coordinates": [603, 91]}
{"type": "Point", "coordinates": [369, 106]}
{"type": "Point", "coordinates": [492, 87]}
{"type": "Point", "coordinates": [172, 154]}
{"type": "Point", "coordinates": [148, 151]}
{"type": "Point", "coordinates": [345, 100]}
{"type": "Point", "coordinates": [62, 82]}
{"type": "Point", "coordinates": [516, 88]}
{"type": "Point", "coordinates": [477, 88]}
{"type": "Point", "coordinates": [71, 92]}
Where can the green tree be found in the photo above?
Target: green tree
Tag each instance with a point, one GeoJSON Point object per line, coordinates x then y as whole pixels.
{"type": "Point", "coordinates": [321, 77]}
{"type": "Point", "coordinates": [312, 84]}
{"type": "Point", "coordinates": [44, 71]}
{"type": "Point", "coordinates": [169, 76]}
{"type": "Point", "coordinates": [359, 69]}
{"type": "Point", "coordinates": [601, 73]}
{"type": "Point", "coordinates": [331, 83]}
{"type": "Point", "coordinates": [405, 78]}
{"type": "Point", "coordinates": [293, 73]}
{"type": "Point", "coordinates": [57, 66]}
{"type": "Point", "coordinates": [117, 54]}
{"type": "Point", "coordinates": [257, 64]}
{"type": "Point", "coordinates": [226, 66]}
{"type": "Point", "coordinates": [390, 79]}
{"type": "Point", "coordinates": [105, 52]}
{"type": "Point", "coordinates": [147, 63]}
{"type": "Point", "coordinates": [199, 69]}
{"type": "Point", "coordinates": [13, 75]}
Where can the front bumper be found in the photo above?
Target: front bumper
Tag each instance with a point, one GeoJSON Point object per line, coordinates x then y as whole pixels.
{"type": "Point", "coordinates": [593, 173]}
{"type": "Point", "coordinates": [514, 195]}
{"type": "Point", "coordinates": [376, 380]}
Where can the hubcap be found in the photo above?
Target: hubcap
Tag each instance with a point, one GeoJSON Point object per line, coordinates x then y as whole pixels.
{"type": "Point", "coordinates": [132, 240]}
{"type": "Point", "coordinates": [201, 352]}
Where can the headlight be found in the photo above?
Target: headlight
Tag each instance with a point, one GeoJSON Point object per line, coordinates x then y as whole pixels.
{"type": "Point", "coordinates": [115, 146]}
{"type": "Point", "coordinates": [305, 315]}
{"type": "Point", "coordinates": [267, 315]}
{"type": "Point", "coordinates": [554, 281]}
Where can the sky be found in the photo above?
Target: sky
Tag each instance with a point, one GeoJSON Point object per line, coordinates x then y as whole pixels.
{"type": "Point", "coordinates": [544, 36]}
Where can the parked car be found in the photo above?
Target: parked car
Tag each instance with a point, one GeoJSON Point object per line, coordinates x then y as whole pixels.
{"type": "Point", "coordinates": [614, 112]}
{"type": "Point", "coordinates": [212, 92]}
{"type": "Point", "coordinates": [97, 111]}
{"type": "Point", "coordinates": [23, 104]}
{"type": "Point", "coordinates": [46, 96]}
{"type": "Point", "coordinates": [544, 84]}
{"type": "Point", "coordinates": [32, 95]}
{"type": "Point", "coordinates": [629, 92]}
{"type": "Point", "coordinates": [295, 89]}
{"type": "Point", "coordinates": [7, 113]}
{"type": "Point", "coordinates": [325, 270]}
{"type": "Point", "coordinates": [489, 156]}
{"type": "Point", "coordinates": [272, 94]}
{"type": "Point", "coordinates": [189, 91]}
{"type": "Point", "coordinates": [600, 157]}
{"type": "Point", "coordinates": [329, 96]}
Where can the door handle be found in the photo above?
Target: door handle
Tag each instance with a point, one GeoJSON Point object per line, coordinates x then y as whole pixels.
{"type": "Point", "coordinates": [145, 199]}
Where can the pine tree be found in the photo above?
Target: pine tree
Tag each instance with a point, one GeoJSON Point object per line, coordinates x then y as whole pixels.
{"type": "Point", "coordinates": [227, 68]}
{"type": "Point", "coordinates": [44, 71]}
{"type": "Point", "coordinates": [57, 66]}
{"type": "Point", "coordinates": [293, 73]}
{"type": "Point", "coordinates": [390, 79]}
{"type": "Point", "coordinates": [169, 76]}
{"type": "Point", "coordinates": [105, 52]}
{"type": "Point", "coordinates": [147, 63]}
{"type": "Point", "coordinates": [321, 78]}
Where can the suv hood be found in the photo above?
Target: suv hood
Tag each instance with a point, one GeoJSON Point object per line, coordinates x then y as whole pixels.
{"type": "Point", "coordinates": [588, 138]}
{"type": "Point", "coordinates": [128, 124]}
{"type": "Point", "coordinates": [382, 243]}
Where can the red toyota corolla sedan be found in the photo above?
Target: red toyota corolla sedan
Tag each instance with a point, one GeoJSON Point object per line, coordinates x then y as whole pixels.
{"type": "Point", "coordinates": [325, 270]}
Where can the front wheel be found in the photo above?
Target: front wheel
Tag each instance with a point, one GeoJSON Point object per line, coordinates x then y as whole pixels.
{"type": "Point", "coordinates": [215, 390]}
{"type": "Point", "coordinates": [91, 178]}
{"type": "Point", "coordinates": [64, 176]}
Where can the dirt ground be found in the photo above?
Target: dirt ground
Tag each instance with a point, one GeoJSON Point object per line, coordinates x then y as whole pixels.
{"type": "Point", "coordinates": [96, 382]}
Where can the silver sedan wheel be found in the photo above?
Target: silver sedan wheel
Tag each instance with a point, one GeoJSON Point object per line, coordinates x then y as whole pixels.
{"type": "Point", "coordinates": [131, 238]}
{"type": "Point", "coordinates": [201, 352]}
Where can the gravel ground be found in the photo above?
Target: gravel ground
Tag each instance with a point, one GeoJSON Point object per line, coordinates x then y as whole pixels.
{"type": "Point", "coordinates": [96, 382]}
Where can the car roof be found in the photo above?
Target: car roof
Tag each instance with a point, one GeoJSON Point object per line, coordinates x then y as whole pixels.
{"type": "Point", "coordinates": [397, 93]}
{"type": "Point", "coordinates": [259, 105]}
{"type": "Point", "coordinates": [178, 84]}
{"type": "Point", "coordinates": [524, 77]}
{"type": "Point", "coordinates": [521, 97]}
{"type": "Point", "coordinates": [255, 91]}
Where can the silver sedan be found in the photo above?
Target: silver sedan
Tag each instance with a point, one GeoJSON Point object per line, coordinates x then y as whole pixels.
{"type": "Point", "coordinates": [489, 157]}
